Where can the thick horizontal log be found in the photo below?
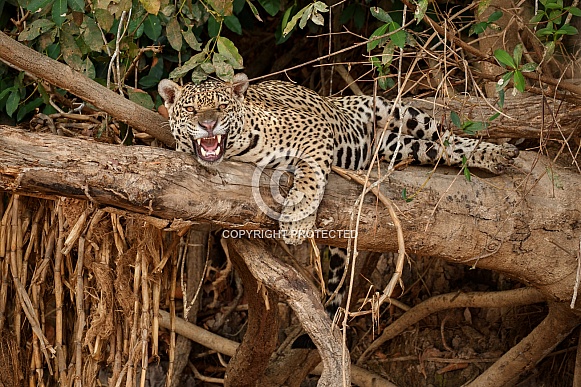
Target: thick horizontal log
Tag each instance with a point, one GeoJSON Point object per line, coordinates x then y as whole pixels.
{"type": "Point", "coordinates": [525, 116]}
{"type": "Point", "coordinates": [524, 224]}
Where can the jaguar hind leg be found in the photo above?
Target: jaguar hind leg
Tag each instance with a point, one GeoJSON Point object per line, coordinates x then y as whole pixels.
{"type": "Point", "coordinates": [427, 142]}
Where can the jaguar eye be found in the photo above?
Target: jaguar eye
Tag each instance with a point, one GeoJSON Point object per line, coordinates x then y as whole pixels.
{"type": "Point", "coordinates": [222, 106]}
{"type": "Point", "coordinates": [190, 109]}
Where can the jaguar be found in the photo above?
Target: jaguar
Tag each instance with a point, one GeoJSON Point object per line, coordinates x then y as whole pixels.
{"type": "Point", "coordinates": [282, 125]}
{"type": "Point", "coordinates": [279, 124]}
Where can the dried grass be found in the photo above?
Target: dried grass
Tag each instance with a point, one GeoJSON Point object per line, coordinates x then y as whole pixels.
{"type": "Point", "coordinates": [81, 289]}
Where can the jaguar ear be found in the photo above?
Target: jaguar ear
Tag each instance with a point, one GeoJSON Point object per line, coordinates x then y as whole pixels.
{"type": "Point", "coordinates": [240, 84]}
{"type": "Point", "coordinates": [169, 91]}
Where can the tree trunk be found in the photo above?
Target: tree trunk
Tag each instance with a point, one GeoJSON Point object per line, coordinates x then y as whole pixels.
{"type": "Point", "coordinates": [524, 224]}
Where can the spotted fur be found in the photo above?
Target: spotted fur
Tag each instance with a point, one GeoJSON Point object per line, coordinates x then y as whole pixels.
{"type": "Point", "coordinates": [280, 124]}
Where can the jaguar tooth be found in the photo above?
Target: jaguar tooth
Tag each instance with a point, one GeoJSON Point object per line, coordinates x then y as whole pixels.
{"type": "Point", "coordinates": [218, 150]}
{"type": "Point", "coordinates": [204, 153]}
{"type": "Point", "coordinates": [219, 137]}
{"type": "Point", "coordinates": [199, 141]}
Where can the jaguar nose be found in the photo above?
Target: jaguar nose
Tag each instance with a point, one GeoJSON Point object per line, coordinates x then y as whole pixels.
{"type": "Point", "coordinates": [209, 125]}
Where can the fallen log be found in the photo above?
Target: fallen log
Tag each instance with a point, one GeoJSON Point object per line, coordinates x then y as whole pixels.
{"type": "Point", "coordinates": [524, 224]}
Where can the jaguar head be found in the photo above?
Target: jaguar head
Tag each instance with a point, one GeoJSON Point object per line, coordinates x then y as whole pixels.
{"type": "Point", "coordinates": [203, 116]}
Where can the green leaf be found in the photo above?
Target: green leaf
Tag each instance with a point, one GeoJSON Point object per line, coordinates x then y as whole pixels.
{"type": "Point", "coordinates": [190, 64]}
{"type": "Point", "coordinates": [477, 28]}
{"type": "Point", "coordinates": [237, 6]}
{"type": "Point", "coordinates": [174, 34]}
{"type": "Point", "coordinates": [270, 6]}
{"type": "Point", "coordinates": [347, 13]}
{"type": "Point", "coordinates": [537, 18]}
{"type": "Point", "coordinates": [319, 6]}
{"type": "Point", "coordinates": [88, 68]}
{"type": "Point", "coordinates": [59, 11]}
{"type": "Point", "coordinates": [34, 29]}
{"type": "Point", "coordinates": [36, 5]}
{"type": "Point", "coordinates": [70, 50]}
{"type": "Point", "coordinates": [208, 67]}
{"type": "Point", "coordinates": [574, 11]}
{"type": "Point", "coordinates": [567, 29]}
{"type": "Point", "coordinates": [148, 81]}
{"type": "Point", "coordinates": [381, 15]}
{"type": "Point", "coordinates": [191, 39]}
{"type": "Point", "coordinates": [404, 195]}
{"type": "Point", "coordinates": [223, 69]}
{"type": "Point", "coordinates": [4, 92]}
{"type": "Point", "coordinates": [359, 17]}
{"type": "Point", "coordinates": [152, 27]}
{"type": "Point", "coordinates": [517, 54]}
{"type": "Point", "coordinates": [254, 10]}
{"type": "Point", "coordinates": [104, 18]}
{"type": "Point", "coordinates": [374, 41]}
{"type": "Point", "coordinates": [198, 75]}
{"type": "Point", "coordinates": [504, 58]}
{"type": "Point", "coordinates": [306, 16]}
{"type": "Point", "coordinates": [385, 82]}
{"type": "Point", "coordinates": [473, 127]}
{"type": "Point", "coordinates": [421, 8]}
{"type": "Point", "coordinates": [28, 108]}
{"type": "Point", "coordinates": [501, 84]}
{"type": "Point", "coordinates": [467, 174]}
{"type": "Point", "coordinates": [494, 16]}
{"type": "Point", "coordinates": [545, 32]}
{"type": "Point", "coordinates": [12, 102]}
{"type": "Point", "coordinates": [213, 27]}
{"type": "Point", "coordinates": [140, 97]}
{"type": "Point", "coordinates": [455, 119]}
{"type": "Point", "coordinates": [529, 67]}
{"type": "Point", "coordinates": [519, 81]}
{"type": "Point", "coordinates": [233, 24]}
{"type": "Point", "coordinates": [501, 98]}
{"type": "Point", "coordinates": [77, 5]}
{"type": "Point", "coordinates": [549, 50]}
{"type": "Point", "coordinates": [91, 34]}
{"type": "Point", "coordinates": [494, 117]}
{"type": "Point", "coordinates": [230, 52]}
{"type": "Point", "coordinates": [553, 6]}
{"type": "Point", "coordinates": [399, 37]}
{"type": "Point", "coordinates": [387, 54]}
{"type": "Point", "coordinates": [293, 22]}
{"type": "Point", "coordinates": [157, 70]}
{"type": "Point", "coordinates": [482, 6]}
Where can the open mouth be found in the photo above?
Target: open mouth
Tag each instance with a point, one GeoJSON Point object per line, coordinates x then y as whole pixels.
{"type": "Point", "coordinates": [211, 149]}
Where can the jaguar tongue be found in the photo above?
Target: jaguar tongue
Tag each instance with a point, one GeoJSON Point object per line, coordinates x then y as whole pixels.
{"type": "Point", "coordinates": [210, 143]}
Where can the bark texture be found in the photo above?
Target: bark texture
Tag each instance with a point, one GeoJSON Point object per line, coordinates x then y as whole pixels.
{"type": "Point", "coordinates": [301, 297]}
{"type": "Point", "coordinates": [524, 224]}
{"type": "Point", "coordinates": [260, 340]}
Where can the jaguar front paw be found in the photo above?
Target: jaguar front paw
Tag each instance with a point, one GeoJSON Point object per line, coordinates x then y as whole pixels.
{"type": "Point", "coordinates": [295, 233]}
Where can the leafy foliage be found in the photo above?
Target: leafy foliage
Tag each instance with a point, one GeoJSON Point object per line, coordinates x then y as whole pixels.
{"type": "Point", "coordinates": [480, 27]}
{"type": "Point", "coordinates": [512, 63]}
{"type": "Point", "coordinates": [131, 45]}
